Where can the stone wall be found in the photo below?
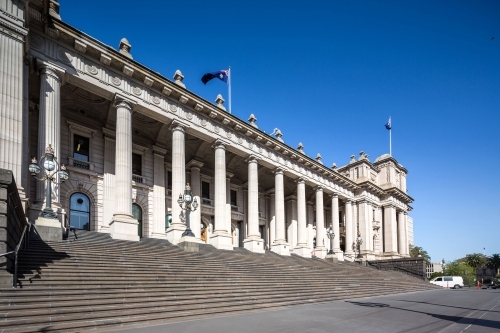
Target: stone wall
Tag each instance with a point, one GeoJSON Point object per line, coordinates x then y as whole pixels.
{"type": "Point", "coordinates": [12, 222]}
{"type": "Point", "coordinates": [411, 266]}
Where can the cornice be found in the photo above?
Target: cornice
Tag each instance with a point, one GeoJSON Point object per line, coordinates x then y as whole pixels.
{"type": "Point", "coordinates": [396, 192]}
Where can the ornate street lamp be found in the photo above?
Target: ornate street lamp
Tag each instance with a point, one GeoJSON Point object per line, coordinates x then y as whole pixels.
{"type": "Point", "coordinates": [331, 235]}
{"type": "Point", "coordinates": [51, 169]}
{"type": "Point", "coordinates": [189, 206]}
{"type": "Point", "coordinates": [359, 241]}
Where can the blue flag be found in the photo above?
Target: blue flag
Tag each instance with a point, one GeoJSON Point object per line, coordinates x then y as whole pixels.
{"type": "Point", "coordinates": [388, 125]}
{"type": "Point", "coordinates": [222, 75]}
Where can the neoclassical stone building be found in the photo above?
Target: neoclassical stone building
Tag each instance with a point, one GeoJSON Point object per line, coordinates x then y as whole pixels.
{"type": "Point", "coordinates": [132, 139]}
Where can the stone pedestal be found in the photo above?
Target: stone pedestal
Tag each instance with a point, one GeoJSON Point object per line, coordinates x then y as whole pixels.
{"type": "Point", "coordinates": [281, 248]}
{"type": "Point", "coordinates": [48, 230]}
{"type": "Point", "coordinates": [331, 257]}
{"type": "Point", "coordinates": [189, 244]}
{"type": "Point", "coordinates": [340, 255]}
{"type": "Point", "coordinates": [320, 252]}
{"type": "Point", "coordinates": [221, 241]}
{"type": "Point", "coordinates": [303, 251]}
{"type": "Point", "coordinates": [174, 233]}
{"type": "Point", "coordinates": [254, 245]}
{"type": "Point", "coordinates": [124, 227]}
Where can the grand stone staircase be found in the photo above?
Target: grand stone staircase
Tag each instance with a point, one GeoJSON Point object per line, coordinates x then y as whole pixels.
{"type": "Point", "coordinates": [95, 282]}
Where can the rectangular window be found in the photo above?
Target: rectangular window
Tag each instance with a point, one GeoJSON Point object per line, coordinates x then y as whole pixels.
{"type": "Point", "coordinates": [137, 164]}
{"type": "Point", "coordinates": [233, 198]}
{"type": "Point", "coordinates": [439, 279]}
{"type": "Point", "coordinates": [448, 278]}
{"type": "Point", "coordinates": [205, 190]}
{"type": "Point", "coordinates": [81, 148]}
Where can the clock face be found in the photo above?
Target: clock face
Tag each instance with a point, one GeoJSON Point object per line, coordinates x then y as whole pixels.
{"type": "Point", "coordinates": [188, 198]}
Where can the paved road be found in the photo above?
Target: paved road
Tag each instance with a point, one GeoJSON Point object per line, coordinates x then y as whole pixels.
{"type": "Point", "coordinates": [442, 311]}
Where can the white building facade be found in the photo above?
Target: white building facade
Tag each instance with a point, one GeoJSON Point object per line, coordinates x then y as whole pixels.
{"type": "Point", "coordinates": [132, 139]}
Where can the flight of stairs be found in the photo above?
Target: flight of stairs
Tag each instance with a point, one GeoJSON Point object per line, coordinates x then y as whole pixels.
{"type": "Point", "coordinates": [95, 282]}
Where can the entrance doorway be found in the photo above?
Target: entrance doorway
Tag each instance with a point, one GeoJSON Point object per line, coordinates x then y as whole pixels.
{"type": "Point", "coordinates": [241, 233]}
{"type": "Point", "coordinates": [137, 213]}
{"type": "Point", "coordinates": [262, 230]}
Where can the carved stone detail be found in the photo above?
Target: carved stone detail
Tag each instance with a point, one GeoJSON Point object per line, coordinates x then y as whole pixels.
{"type": "Point", "coordinates": [91, 69]}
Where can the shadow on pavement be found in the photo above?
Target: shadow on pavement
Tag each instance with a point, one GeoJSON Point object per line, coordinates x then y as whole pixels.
{"type": "Point", "coordinates": [464, 320]}
{"type": "Point", "coordinates": [444, 305]}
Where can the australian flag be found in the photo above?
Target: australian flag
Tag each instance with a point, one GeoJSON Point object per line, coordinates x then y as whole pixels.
{"type": "Point", "coordinates": [222, 75]}
{"type": "Point", "coordinates": [388, 125]}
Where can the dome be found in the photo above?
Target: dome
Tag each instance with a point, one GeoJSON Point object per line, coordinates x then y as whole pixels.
{"type": "Point", "coordinates": [382, 157]}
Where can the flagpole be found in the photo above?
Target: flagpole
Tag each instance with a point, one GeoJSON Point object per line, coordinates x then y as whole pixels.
{"type": "Point", "coordinates": [229, 88]}
{"type": "Point", "coordinates": [390, 138]}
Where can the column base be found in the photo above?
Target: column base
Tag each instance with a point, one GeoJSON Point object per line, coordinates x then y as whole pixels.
{"type": "Point", "coordinates": [48, 230]}
{"type": "Point", "coordinates": [281, 248]}
{"type": "Point", "coordinates": [349, 256]}
{"type": "Point", "coordinates": [221, 241]}
{"type": "Point", "coordinates": [255, 245]}
{"type": "Point", "coordinates": [331, 257]}
{"type": "Point", "coordinates": [302, 251]}
{"type": "Point", "coordinates": [174, 232]}
{"type": "Point", "coordinates": [124, 227]}
{"type": "Point", "coordinates": [340, 255]}
{"type": "Point", "coordinates": [189, 244]}
{"type": "Point", "coordinates": [320, 252]}
{"type": "Point", "coordinates": [391, 255]}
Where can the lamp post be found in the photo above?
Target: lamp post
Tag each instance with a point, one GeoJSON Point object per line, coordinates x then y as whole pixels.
{"type": "Point", "coordinates": [51, 169]}
{"type": "Point", "coordinates": [359, 241]}
{"type": "Point", "coordinates": [189, 206]}
{"type": "Point", "coordinates": [331, 235]}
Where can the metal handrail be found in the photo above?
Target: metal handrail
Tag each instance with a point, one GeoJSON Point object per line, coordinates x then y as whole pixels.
{"type": "Point", "coordinates": [16, 251]}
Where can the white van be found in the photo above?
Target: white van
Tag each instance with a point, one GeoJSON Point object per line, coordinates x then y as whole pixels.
{"type": "Point", "coordinates": [454, 282]}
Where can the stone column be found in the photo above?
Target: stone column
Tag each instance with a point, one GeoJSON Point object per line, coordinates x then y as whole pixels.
{"type": "Point", "coordinates": [349, 230]}
{"type": "Point", "coordinates": [401, 233]}
{"type": "Point", "coordinates": [195, 167]}
{"type": "Point", "coordinates": [291, 220]}
{"type": "Point", "coordinates": [229, 175]}
{"type": "Point", "coordinates": [253, 242]}
{"type": "Point", "coordinates": [320, 224]}
{"type": "Point", "coordinates": [311, 233]}
{"type": "Point", "coordinates": [407, 245]}
{"type": "Point", "coordinates": [159, 210]}
{"type": "Point", "coordinates": [336, 223]}
{"type": "Point", "coordinates": [364, 225]}
{"type": "Point", "coordinates": [302, 249]}
{"type": "Point", "coordinates": [109, 178]}
{"type": "Point", "coordinates": [220, 238]}
{"type": "Point", "coordinates": [178, 226]}
{"type": "Point", "coordinates": [272, 223]}
{"type": "Point", "coordinates": [390, 231]}
{"type": "Point", "coordinates": [123, 225]}
{"type": "Point", "coordinates": [49, 133]}
{"type": "Point", "coordinates": [280, 245]}
{"type": "Point", "coordinates": [11, 90]}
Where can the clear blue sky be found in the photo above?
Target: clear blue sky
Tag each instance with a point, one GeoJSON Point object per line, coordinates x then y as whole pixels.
{"type": "Point", "coordinates": [330, 73]}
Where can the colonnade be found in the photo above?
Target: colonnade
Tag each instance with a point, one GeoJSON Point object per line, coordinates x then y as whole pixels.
{"type": "Point", "coordinates": [124, 226]}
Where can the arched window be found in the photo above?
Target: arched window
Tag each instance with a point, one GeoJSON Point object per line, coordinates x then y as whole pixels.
{"type": "Point", "coordinates": [137, 213]}
{"type": "Point", "coordinates": [79, 211]}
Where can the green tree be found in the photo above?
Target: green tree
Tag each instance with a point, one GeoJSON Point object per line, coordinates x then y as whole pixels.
{"type": "Point", "coordinates": [461, 268]}
{"type": "Point", "coordinates": [475, 260]}
{"type": "Point", "coordinates": [493, 262]}
{"type": "Point", "coordinates": [418, 252]}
